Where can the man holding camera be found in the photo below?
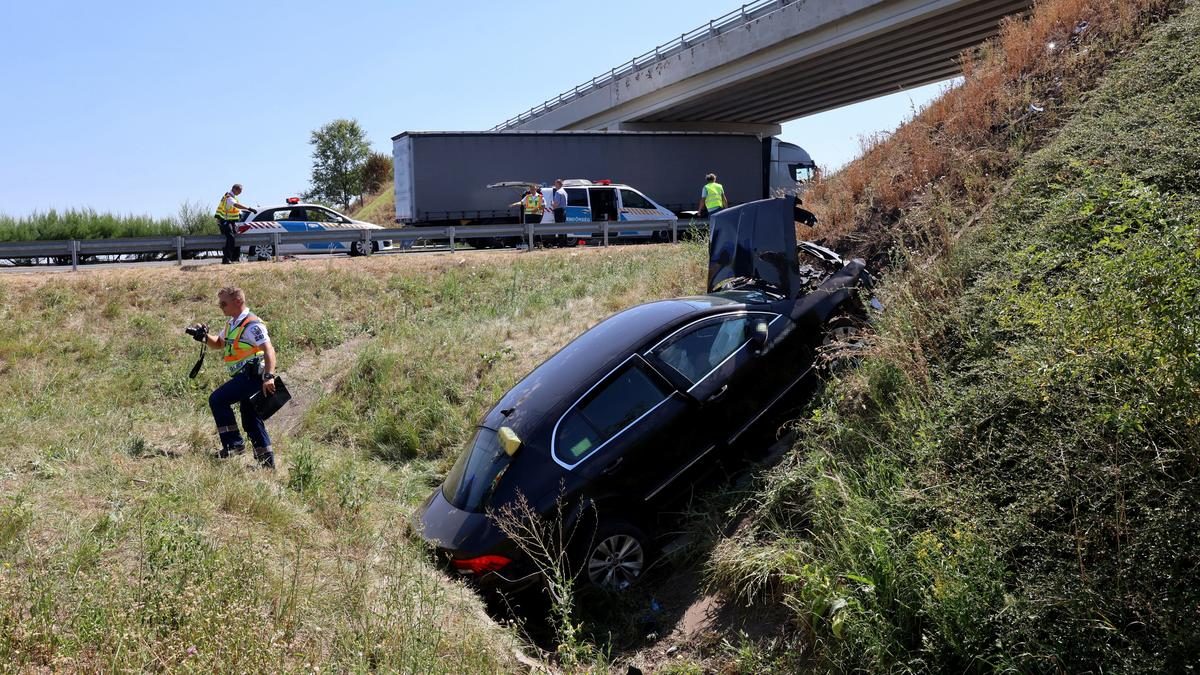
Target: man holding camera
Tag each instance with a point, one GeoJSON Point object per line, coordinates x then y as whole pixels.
{"type": "Point", "coordinates": [250, 359]}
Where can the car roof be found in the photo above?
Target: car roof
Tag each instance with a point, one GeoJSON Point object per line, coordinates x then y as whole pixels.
{"type": "Point", "coordinates": [296, 206]}
{"type": "Point", "coordinates": [566, 375]}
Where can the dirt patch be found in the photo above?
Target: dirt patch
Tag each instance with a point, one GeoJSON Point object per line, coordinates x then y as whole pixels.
{"type": "Point", "coordinates": [310, 378]}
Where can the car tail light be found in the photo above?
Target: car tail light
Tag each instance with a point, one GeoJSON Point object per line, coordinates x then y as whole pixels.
{"type": "Point", "coordinates": [484, 563]}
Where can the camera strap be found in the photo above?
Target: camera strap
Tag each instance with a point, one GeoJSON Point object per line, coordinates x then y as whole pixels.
{"type": "Point", "coordinates": [199, 361]}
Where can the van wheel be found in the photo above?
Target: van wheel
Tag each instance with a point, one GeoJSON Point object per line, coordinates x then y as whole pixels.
{"type": "Point", "coordinates": [617, 557]}
{"type": "Point", "coordinates": [358, 248]}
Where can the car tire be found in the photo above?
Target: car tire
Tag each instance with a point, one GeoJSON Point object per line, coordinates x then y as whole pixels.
{"type": "Point", "coordinates": [842, 341]}
{"type": "Point", "coordinates": [617, 557]}
{"type": "Point", "coordinates": [358, 248]}
{"type": "Point", "coordinates": [262, 252]}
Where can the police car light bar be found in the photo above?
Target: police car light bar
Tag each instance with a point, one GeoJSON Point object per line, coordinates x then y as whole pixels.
{"type": "Point", "coordinates": [604, 181]}
{"type": "Point", "coordinates": [293, 200]}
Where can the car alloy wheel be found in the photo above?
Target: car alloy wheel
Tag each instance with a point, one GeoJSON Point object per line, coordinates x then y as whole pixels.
{"type": "Point", "coordinates": [358, 248]}
{"type": "Point", "coordinates": [616, 562]}
{"type": "Point", "coordinates": [843, 342]}
{"type": "Point", "coordinates": [262, 252]}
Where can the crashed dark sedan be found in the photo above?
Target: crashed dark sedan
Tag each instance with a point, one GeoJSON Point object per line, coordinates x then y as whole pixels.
{"type": "Point", "coordinates": [621, 422]}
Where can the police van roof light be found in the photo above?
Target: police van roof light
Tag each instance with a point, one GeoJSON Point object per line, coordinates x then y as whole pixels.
{"type": "Point", "coordinates": [293, 200]}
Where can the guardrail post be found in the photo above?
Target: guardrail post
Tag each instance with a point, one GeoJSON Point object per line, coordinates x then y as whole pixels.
{"type": "Point", "coordinates": [450, 231]}
{"type": "Point", "coordinates": [605, 229]}
{"type": "Point", "coordinates": [74, 255]}
{"type": "Point", "coordinates": [529, 234]}
{"type": "Point", "coordinates": [179, 251]}
{"type": "Point", "coordinates": [366, 239]}
{"type": "Point", "coordinates": [275, 239]}
{"type": "Point", "coordinates": [674, 231]}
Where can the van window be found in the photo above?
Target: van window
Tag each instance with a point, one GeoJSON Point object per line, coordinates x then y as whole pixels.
{"type": "Point", "coordinates": [633, 200]}
{"type": "Point", "coordinates": [607, 411]}
{"type": "Point", "coordinates": [577, 197]}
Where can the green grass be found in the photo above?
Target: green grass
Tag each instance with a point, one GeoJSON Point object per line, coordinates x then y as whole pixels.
{"type": "Point", "coordinates": [192, 219]}
{"type": "Point", "coordinates": [379, 208]}
{"type": "Point", "coordinates": [124, 547]}
{"type": "Point", "coordinates": [1008, 482]}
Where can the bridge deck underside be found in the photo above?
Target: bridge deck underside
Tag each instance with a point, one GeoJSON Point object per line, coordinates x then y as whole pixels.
{"type": "Point", "coordinates": [912, 55]}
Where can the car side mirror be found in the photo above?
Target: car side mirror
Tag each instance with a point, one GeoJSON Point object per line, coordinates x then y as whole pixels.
{"type": "Point", "coordinates": [758, 334]}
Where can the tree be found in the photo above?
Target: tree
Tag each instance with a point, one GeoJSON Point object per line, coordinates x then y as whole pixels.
{"type": "Point", "coordinates": [377, 172]}
{"type": "Point", "coordinates": [340, 151]}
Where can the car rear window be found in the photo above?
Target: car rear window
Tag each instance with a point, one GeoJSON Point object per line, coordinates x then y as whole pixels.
{"type": "Point", "coordinates": [606, 412]}
{"type": "Point", "coordinates": [470, 482]}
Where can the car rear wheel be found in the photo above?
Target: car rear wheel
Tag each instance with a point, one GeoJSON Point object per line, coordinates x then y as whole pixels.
{"type": "Point", "coordinates": [358, 248]}
{"type": "Point", "coordinates": [262, 252]}
{"type": "Point", "coordinates": [617, 557]}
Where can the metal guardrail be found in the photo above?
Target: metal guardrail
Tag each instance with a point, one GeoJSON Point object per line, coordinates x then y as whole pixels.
{"type": "Point", "coordinates": [723, 24]}
{"type": "Point", "coordinates": [604, 231]}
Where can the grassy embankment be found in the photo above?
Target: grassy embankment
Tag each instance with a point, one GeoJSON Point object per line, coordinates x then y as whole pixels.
{"type": "Point", "coordinates": [1009, 480]}
{"type": "Point", "coordinates": [123, 546]}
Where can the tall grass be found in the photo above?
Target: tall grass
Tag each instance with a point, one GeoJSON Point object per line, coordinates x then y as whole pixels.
{"type": "Point", "coordinates": [124, 547]}
{"type": "Point", "coordinates": [192, 219]}
{"type": "Point", "coordinates": [1007, 484]}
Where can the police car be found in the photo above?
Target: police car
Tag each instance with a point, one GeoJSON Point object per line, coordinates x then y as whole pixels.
{"type": "Point", "coordinates": [297, 217]}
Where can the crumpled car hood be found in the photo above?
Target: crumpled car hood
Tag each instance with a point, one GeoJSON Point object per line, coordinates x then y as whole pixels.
{"type": "Point", "coordinates": [755, 241]}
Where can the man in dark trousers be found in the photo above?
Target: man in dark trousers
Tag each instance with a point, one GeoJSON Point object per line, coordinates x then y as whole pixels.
{"type": "Point", "coordinates": [229, 212]}
{"type": "Point", "coordinates": [250, 359]}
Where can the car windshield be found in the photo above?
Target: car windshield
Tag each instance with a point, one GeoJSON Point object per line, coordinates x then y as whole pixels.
{"type": "Point", "coordinates": [475, 473]}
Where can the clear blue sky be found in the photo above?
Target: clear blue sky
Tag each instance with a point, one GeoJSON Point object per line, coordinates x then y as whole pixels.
{"type": "Point", "coordinates": [137, 107]}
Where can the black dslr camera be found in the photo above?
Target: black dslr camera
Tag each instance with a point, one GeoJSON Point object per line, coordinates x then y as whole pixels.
{"type": "Point", "coordinates": [199, 332]}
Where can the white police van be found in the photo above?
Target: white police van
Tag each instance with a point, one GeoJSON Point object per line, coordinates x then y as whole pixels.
{"type": "Point", "coordinates": [295, 216]}
{"type": "Point", "coordinates": [599, 201]}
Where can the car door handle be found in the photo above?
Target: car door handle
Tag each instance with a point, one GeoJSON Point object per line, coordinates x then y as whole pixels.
{"type": "Point", "coordinates": [612, 467]}
{"type": "Point", "coordinates": [717, 394]}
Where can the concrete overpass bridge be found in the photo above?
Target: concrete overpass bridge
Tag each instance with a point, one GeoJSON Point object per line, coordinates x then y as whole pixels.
{"type": "Point", "coordinates": [773, 61]}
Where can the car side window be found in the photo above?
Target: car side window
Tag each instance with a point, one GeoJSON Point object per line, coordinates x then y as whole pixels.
{"type": "Point", "coordinates": [320, 216]}
{"type": "Point", "coordinates": [698, 351]}
{"type": "Point", "coordinates": [633, 200]}
{"type": "Point", "coordinates": [576, 197]}
{"type": "Point", "coordinates": [606, 411]}
{"type": "Point", "coordinates": [269, 214]}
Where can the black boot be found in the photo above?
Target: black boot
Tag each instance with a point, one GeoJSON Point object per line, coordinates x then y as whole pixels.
{"type": "Point", "coordinates": [265, 458]}
{"type": "Point", "coordinates": [230, 451]}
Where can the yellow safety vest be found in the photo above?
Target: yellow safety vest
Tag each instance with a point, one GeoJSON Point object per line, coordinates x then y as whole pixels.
{"type": "Point", "coordinates": [714, 196]}
{"type": "Point", "coordinates": [237, 351]}
{"type": "Point", "coordinates": [230, 212]}
{"type": "Point", "coordinates": [533, 203]}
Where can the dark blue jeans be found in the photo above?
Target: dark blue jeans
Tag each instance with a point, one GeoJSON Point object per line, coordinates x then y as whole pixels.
{"type": "Point", "coordinates": [238, 390]}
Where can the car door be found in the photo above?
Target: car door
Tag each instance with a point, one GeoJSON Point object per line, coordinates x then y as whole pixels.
{"type": "Point", "coordinates": [721, 368]}
{"type": "Point", "coordinates": [626, 434]}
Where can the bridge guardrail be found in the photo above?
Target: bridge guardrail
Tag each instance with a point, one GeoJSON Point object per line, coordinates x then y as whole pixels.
{"type": "Point", "coordinates": [738, 17]}
{"type": "Point", "coordinates": [179, 245]}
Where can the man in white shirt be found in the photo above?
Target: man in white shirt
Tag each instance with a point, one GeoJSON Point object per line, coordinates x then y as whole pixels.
{"type": "Point", "coordinates": [249, 357]}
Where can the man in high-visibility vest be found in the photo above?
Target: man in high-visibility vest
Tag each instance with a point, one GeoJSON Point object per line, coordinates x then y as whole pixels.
{"type": "Point", "coordinates": [250, 359]}
{"type": "Point", "coordinates": [712, 196]}
{"type": "Point", "coordinates": [229, 212]}
{"type": "Point", "coordinates": [532, 204]}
